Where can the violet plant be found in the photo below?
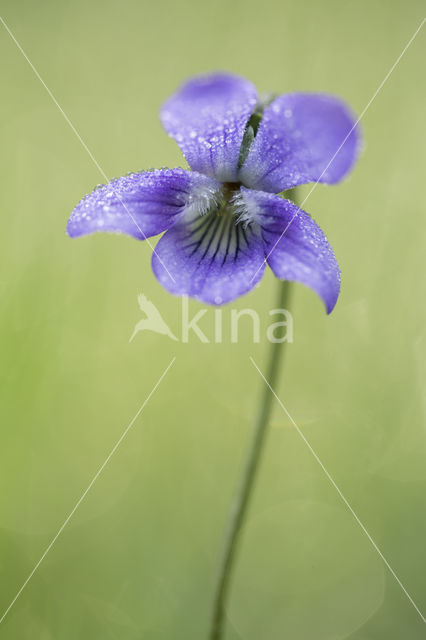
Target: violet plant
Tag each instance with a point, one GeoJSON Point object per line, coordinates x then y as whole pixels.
{"type": "Point", "coordinates": [226, 218]}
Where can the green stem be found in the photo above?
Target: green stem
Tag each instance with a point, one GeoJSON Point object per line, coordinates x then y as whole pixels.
{"type": "Point", "coordinates": [242, 499]}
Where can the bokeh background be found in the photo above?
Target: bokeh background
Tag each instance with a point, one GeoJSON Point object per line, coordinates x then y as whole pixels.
{"type": "Point", "coordinates": [138, 558]}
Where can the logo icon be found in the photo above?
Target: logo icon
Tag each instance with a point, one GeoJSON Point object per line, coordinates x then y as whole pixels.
{"type": "Point", "coordinates": [153, 321]}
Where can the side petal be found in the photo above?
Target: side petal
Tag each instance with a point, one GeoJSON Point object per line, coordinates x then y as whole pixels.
{"type": "Point", "coordinates": [302, 138]}
{"type": "Point", "coordinates": [207, 118]}
{"type": "Point", "coordinates": [210, 258]}
{"type": "Point", "coordinates": [295, 247]}
{"type": "Point", "coordinates": [141, 204]}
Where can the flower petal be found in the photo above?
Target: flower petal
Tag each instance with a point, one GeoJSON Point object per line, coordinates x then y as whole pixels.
{"type": "Point", "coordinates": [209, 258]}
{"type": "Point", "coordinates": [295, 247]}
{"type": "Point", "coordinates": [207, 117]}
{"type": "Point", "coordinates": [141, 204]}
{"type": "Point", "coordinates": [302, 138]}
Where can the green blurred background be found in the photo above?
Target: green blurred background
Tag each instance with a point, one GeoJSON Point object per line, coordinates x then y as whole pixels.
{"type": "Point", "coordinates": [138, 558]}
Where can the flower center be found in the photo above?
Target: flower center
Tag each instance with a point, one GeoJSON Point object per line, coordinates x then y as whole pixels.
{"type": "Point", "coordinates": [221, 230]}
{"type": "Point", "coordinates": [230, 197]}
{"type": "Point", "coordinates": [230, 205]}
{"type": "Point", "coordinates": [226, 203]}
{"type": "Point", "coordinates": [230, 189]}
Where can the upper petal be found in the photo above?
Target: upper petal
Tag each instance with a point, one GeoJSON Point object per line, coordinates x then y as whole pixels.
{"type": "Point", "coordinates": [209, 258]}
{"type": "Point", "coordinates": [141, 204]}
{"type": "Point", "coordinates": [295, 247]}
{"type": "Point", "coordinates": [302, 138]}
{"type": "Point", "coordinates": [207, 117]}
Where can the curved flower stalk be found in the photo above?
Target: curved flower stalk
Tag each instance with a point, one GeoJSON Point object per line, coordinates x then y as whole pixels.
{"type": "Point", "coordinates": [223, 218]}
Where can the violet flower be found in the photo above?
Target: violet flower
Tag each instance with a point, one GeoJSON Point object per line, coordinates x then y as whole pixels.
{"type": "Point", "coordinates": [223, 219]}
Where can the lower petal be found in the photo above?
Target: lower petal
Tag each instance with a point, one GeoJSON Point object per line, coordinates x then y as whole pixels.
{"type": "Point", "coordinates": [209, 258]}
{"type": "Point", "coordinates": [295, 247]}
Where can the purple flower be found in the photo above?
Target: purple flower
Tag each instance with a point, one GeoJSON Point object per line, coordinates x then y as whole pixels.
{"type": "Point", "coordinates": [222, 219]}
